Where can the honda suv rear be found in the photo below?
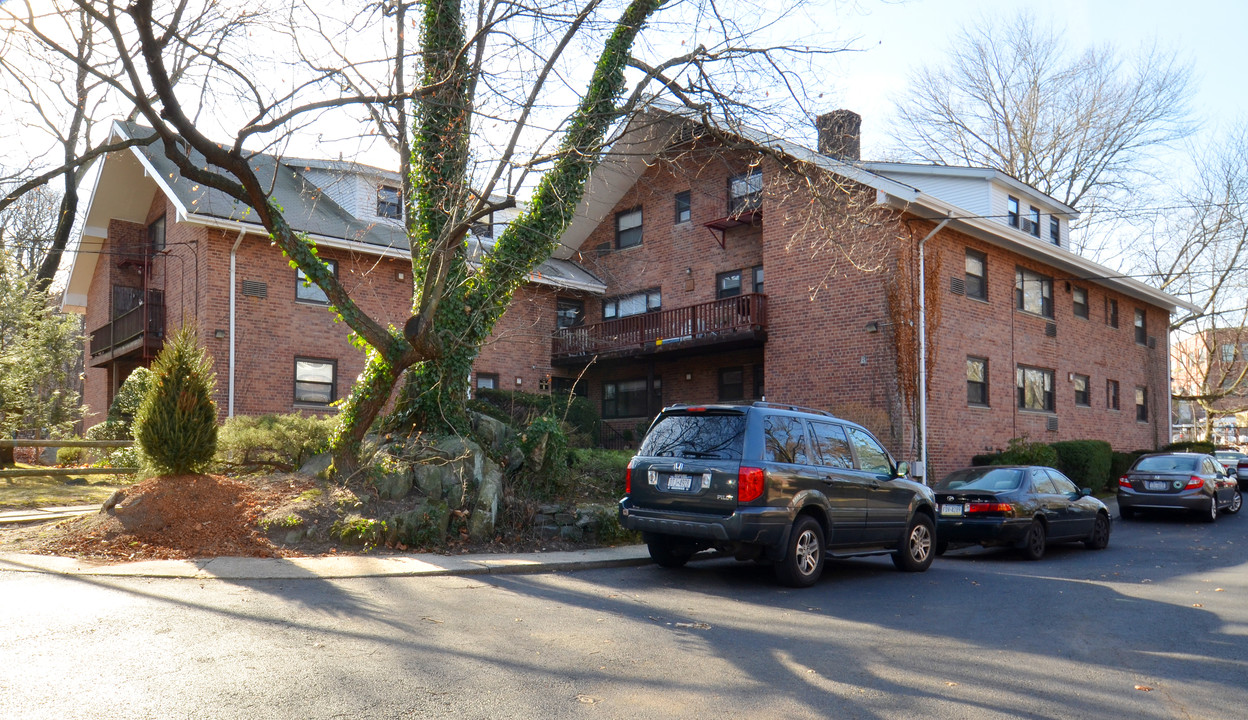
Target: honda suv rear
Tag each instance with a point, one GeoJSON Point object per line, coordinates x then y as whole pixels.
{"type": "Point", "coordinates": [776, 483]}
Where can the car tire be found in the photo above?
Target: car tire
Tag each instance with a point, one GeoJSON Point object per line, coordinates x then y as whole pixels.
{"type": "Point", "coordinates": [804, 554]}
{"type": "Point", "coordinates": [918, 549]}
{"type": "Point", "coordinates": [668, 552]}
{"type": "Point", "coordinates": [1034, 541]}
{"type": "Point", "coordinates": [1210, 514]}
{"type": "Point", "coordinates": [1126, 513]}
{"type": "Point", "coordinates": [1237, 503]}
{"type": "Point", "coordinates": [1099, 539]}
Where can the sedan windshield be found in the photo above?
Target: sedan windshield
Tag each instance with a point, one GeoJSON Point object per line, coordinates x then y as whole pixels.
{"type": "Point", "coordinates": [985, 478]}
{"type": "Point", "coordinates": [1167, 463]}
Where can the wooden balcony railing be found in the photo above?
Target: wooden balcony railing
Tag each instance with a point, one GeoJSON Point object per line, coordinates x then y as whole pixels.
{"type": "Point", "coordinates": [146, 321]}
{"type": "Point", "coordinates": [717, 321]}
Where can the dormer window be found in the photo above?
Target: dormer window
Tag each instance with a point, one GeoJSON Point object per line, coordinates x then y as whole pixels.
{"type": "Point", "coordinates": [1032, 224]}
{"type": "Point", "coordinates": [745, 192]}
{"type": "Point", "coordinates": [1055, 230]}
{"type": "Point", "coordinates": [388, 203]}
{"type": "Point", "coordinates": [1011, 211]}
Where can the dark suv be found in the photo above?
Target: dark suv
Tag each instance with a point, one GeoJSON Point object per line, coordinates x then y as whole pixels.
{"type": "Point", "coordinates": [774, 483]}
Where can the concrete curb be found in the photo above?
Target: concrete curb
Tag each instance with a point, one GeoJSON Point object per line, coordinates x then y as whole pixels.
{"type": "Point", "coordinates": [344, 566]}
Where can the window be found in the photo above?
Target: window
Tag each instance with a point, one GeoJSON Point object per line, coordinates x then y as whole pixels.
{"type": "Point", "coordinates": [156, 234]}
{"type": "Point", "coordinates": [831, 446]}
{"type": "Point", "coordinates": [1062, 483]}
{"type": "Point", "coordinates": [1141, 404]}
{"type": "Point", "coordinates": [487, 381]}
{"type": "Point", "coordinates": [757, 274]}
{"type": "Point", "coordinates": [784, 441]}
{"type": "Point", "coordinates": [1080, 302]}
{"type": "Point", "coordinates": [1032, 223]}
{"type": "Point", "coordinates": [1111, 312]}
{"type": "Point", "coordinates": [728, 284]}
{"type": "Point", "coordinates": [569, 312]}
{"type": "Point", "coordinates": [1033, 292]}
{"type": "Point", "coordinates": [306, 291]}
{"type": "Point", "coordinates": [731, 383]}
{"type": "Point", "coordinates": [1041, 483]}
{"type": "Point", "coordinates": [633, 304]}
{"type": "Point", "coordinates": [315, 381]}
{"type": "Point", "coordinates": [1111, 394]}
{"type": "Point", "coordinates": [871, 457]}
{"type": "Point", "coordinates": [684, 207]}
{"type": "Point", "coordinates": [977, 381]}
{"type": "Point", "coordinates": [745, 192]}
{"type": "Point", "coordinates": [628, 229]}
{"type": "Point", "coordinates": [1035, 389]}
{"type": "Point", "coordinates": [628, 398]}
{"type": "Point", "coordinates": [1082, 395]}
{"type": "Point", "coordinates": [1011, 211]}
{"type": "Point", "coordinates": [1228, 353]}
{"type": "Point", "coordinates": [976, 275]}
{"type": "Point", "coordinates": [758, 382]}
{"type": "Point", "coordinates": [1141, 329]}
{"type": "Point", "coordinates": [1055, 230]}
{"type": "Point", "coordinates": [388, 204]}
{"type": "Point", "coordinates": [568, 386]}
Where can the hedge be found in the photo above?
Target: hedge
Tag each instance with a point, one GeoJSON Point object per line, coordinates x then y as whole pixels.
{"type": "Point", "coordinates": [1087, 462]}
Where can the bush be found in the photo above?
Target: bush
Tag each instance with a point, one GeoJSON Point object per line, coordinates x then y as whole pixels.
{"type": "Point", "coordinates": [598, 474]}
{"type": "Point", "coordinates": [1196, 446]}
{"type": "Point", "coordinates": [1120, 462]}
{"type": "Point", "coordinates": [176, 425]}
{"type": "Point", "coordinates": [1021, 452]}
{"type": "Point", "coordinates": [985, 459]}
{"type": "Point", "coordinates": [70, 456]}
{"type": "Point", "coordinates": [279, 442]}
{"type": "Point", "coordinates": [520, 408]}
{"type": "Point", "coordinates": [1087, 462]}
{"type": "Point", "coordinates": [130, 396]}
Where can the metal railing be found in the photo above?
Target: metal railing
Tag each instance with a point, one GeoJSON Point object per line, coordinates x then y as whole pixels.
{"type": "Point", "coordinates": [146, 319]}
{"type": "Point", "coordinates": [724, 318]}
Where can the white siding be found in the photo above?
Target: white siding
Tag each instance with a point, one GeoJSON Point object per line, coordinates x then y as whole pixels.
{"type": "Point", "coordinates": [970, 194]}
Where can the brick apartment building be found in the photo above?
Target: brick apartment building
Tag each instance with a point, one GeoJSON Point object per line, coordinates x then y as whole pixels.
{"type": "Point", "coordinates": [698, 269]}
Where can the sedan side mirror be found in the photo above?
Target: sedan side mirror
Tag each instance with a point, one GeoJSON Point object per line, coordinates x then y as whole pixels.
{"type": "Point", "coordinates": [1085, 492]}
{"type": "Point", "coordinates": [903, 469]}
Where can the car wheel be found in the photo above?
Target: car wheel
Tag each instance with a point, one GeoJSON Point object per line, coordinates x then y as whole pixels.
{"type": "Point", "coordinates": [916, 554]}
{"type": "Point", "coordinates": [1099, 538]}
{"type": "Point", "coordinates": [1035, 540]}
{"type": "Point", "coordinates": [1126, 513]}
{"type": "Point", "coordinates": [942, 547]}
{"type": "Point", "coordinates": [668, 552]}
{"type": "Point", "coordinates": [803, 559]}
{"type": "Point", "coordinates": [1237, 502]}
{"type": "Point", "coordinates": [1211, 513]}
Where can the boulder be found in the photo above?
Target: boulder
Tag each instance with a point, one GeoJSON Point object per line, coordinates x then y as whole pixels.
{"type": "Point", "coordinates": [395, 480]}
{"type": "Point", "coordinates": [495, 434]}
{"type": "Point", "coordinates": [318, 466]}
{"type": "Point", "coordinates": [484, 515]}
{"type": "Point", "coordinates": [429, 478]}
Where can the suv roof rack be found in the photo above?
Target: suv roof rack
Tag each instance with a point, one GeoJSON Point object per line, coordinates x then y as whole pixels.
{"type": "Point", "coordinates": [794, 408]}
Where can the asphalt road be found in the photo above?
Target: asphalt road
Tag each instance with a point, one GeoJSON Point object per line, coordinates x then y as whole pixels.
{"type": "Point", "coordinates": [1153, 627]}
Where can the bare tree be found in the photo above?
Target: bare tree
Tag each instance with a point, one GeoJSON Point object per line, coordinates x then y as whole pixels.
{"type": "Point", "coordinates": [1078, 126]}
{"type": "Point", "coordinates": [502, 97]}
{"type": "Point", "coordinates": [27, 228]}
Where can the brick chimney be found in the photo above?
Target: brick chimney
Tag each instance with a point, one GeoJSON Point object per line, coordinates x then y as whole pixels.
{"type": "Point", "coordinates": [839, 134]}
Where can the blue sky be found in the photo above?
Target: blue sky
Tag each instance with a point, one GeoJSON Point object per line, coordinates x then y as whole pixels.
{"type": "Point", "coordinates": [897, 37]}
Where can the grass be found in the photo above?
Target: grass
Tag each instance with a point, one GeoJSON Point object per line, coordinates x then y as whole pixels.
{"type": "Point", "coordinates": [44, 491]}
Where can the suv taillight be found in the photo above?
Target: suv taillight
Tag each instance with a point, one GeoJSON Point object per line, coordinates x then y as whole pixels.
{"type": "Point", "coordinates": [1194, 482]}
{"type": "Point", "coordinates": [628, 477]}
{"type": "Point", "coordinates": [749, 484]}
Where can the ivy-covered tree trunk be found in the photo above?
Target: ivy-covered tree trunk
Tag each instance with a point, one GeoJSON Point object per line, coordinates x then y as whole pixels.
{"type": "Point", "coordinates": [473, 299]}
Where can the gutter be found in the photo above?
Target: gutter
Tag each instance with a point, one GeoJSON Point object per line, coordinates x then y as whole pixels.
{"type": "Point", "coordinates": [921, 470]}
{"type": "Point", "coordinates": [233, 257]}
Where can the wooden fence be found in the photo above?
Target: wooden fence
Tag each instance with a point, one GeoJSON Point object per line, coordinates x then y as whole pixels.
{"type": "Point", "coordinates": [65, 472]}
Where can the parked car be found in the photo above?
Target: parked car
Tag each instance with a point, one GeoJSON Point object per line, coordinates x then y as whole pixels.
{"type": "Point", "coordinates": [1241, 474]}
{"type": "Point", "coordinates": [775, 483]}
{"type": "Point", "coordinates": [1028, 507]}
{"type": "Point", "coordinates": [1194, 482]}
{"type": "Point", "coordinates": [1230, 460]}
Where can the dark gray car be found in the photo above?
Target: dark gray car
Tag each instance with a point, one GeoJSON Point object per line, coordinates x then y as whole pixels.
{"type": "Point", "coordinates": [1194, 482]}
{"type": "Point", "coordinates": [774, 483]}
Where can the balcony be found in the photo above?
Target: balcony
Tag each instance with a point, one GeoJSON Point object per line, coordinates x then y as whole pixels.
{"type": "Point", "coordinates": [725, 324]}
{"type": "Point", "coordinates": [139, 331]}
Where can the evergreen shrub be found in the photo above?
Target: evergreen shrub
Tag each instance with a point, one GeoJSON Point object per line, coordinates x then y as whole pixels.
{"type": "Point", "coordinates": [1087, 462]}
{"type": "Point", "coordinates": [176, 424]}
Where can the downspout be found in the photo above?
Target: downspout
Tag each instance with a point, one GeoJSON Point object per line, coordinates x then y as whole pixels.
{"type": "Point", "coordinates": [921, 470]}
{"type": "Point", "coordinates": [233, 255]}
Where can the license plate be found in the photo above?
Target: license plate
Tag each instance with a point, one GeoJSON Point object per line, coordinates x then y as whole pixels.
{"type": "Point", "coordinates": [679, 482]}
{"type": "Point", "coordinates": [951, 510]}
{"type": "Point", "coordinates": [1156, 485]}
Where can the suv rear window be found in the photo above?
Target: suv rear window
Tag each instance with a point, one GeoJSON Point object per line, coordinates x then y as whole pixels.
{"type": "Point", "coordinates": [696, 436]}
